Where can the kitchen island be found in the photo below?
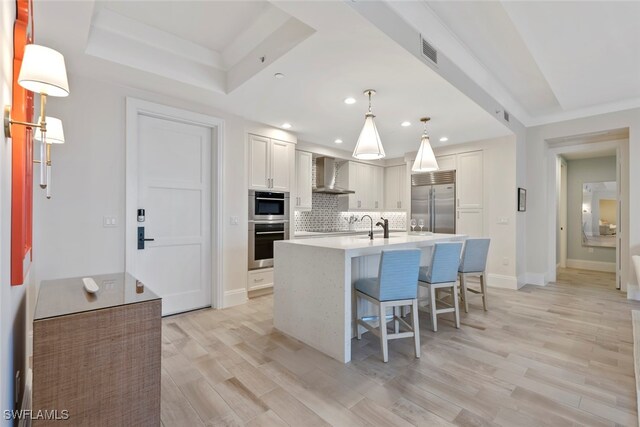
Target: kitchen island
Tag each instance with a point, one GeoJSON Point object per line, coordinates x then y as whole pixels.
{"type": "Point", "coordinates": [313, 284]}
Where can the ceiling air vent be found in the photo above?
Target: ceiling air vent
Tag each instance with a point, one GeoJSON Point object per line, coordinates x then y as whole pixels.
{"type": "Point", "coordinates": [428, 51]}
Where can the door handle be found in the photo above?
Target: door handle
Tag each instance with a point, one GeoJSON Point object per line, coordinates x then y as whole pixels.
{"type": "Point", "coordinates": [142, 239]}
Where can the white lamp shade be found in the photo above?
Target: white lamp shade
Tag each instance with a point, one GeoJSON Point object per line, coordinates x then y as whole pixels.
{"type": "Point", "coordinates": [54, 133]}
{"type": "Point", "coordinates": [369, 146]}
{"type": "Point", "coordinates": [43, 71]}
{"type": "Point", "coordinates": [425, 160]}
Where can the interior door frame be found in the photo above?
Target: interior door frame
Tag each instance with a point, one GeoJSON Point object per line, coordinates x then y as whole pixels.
{"type": "Point", "coordinates": [622, 244]}
{"type": "Point", "coordinates": [136, 107]}
{"type": "Point", "coordinates": [563, 210]}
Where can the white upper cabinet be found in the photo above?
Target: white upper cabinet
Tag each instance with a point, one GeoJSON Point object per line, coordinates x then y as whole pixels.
{"type": "Point", "coordinates": [259, 162]}
{"type": "Point", "coordinates": [269, 164]}
{"type": "Point", "coordinates": [368, 183]}
{"type": "Point", "coordinates": [281, 158]}
{"type": "Point", "coordinates": [446, 163]}
{"type": "Point", "coordinates": [469, 183]}
{"type": "Point", "coordinates": [302, 198]}
{"type": "Point", "coordinates": [395, 188]}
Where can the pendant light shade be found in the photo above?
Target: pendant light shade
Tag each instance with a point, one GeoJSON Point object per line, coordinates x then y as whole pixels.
{"type": "Point", "coordinates": [369, 146]}
{"type": "Point", "coordinates": [425, 159]}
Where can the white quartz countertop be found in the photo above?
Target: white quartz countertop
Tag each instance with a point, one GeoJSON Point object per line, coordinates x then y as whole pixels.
{"type": "Point", "coordinates": [361, 244]}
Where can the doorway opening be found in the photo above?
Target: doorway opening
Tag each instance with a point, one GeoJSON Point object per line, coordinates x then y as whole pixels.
{"type": "Point", "coordinates": [590, 212]}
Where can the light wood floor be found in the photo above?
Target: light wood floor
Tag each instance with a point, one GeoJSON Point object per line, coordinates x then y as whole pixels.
{"type": "Point", "coordinates": [558, 355]}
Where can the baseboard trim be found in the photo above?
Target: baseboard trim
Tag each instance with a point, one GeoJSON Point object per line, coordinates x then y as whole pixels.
{"type": "Point", "coordinates": [607, 267]}
{"type": "Point", "coordinates": [234, 297]}
{"type": "Point", "coordinates": [537, 279]}
{"type": "Point", "coordinates": [502, 281]}
{"type": "Point", "coordinates": [633, 292]}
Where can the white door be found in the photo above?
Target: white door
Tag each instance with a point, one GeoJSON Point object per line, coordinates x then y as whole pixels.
{"type": "Point", "coordinates": [174, 188]}
{"type": "Point", "coordinates": [259, 162]}
{"type": "Point", "coordinates": [281, 158]}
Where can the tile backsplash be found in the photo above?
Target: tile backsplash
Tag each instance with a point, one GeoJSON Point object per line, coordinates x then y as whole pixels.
{"type": "Point", "coordinates": [325, 216]}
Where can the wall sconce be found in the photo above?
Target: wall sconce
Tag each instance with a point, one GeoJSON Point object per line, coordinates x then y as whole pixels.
{"type": "Point", "coordinates": [43, 71]}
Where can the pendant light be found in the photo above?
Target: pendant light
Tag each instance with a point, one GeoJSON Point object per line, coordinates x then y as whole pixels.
{"type": "Point", "coordinates": [425, 160]}
{"type": "Point", "coordinates": [369, 146]}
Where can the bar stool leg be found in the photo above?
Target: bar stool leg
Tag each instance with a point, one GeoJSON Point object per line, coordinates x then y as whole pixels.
{"type": "Point", "coordinates": [416, 327]}
{"type": "Point", "coordinates": [463, 290]}
{"type": "Point", "coordinates": [358, 333]}
{"type": "Point", "coordinates": [383, 332]}
{"type": "Point", "coordinates": [483, 288]}
{"type": "Point", "coordinates": [456, 306]}
{"type": "Point", "coordinates": [432, 308]}
{"type": "Point", "coordinates": [396, 323]}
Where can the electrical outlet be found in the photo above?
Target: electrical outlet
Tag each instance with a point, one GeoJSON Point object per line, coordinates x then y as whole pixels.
{"type": "Point", "coordinates": [109, 221]}
{"type": "Point", "coordinates": [590, 250]}
{"type": "Point", "coordinates": [505, 261]}
{"type": "Point", "coordinates": [503, 220]}
{"type": "Point", "coordinates": [234, 220]}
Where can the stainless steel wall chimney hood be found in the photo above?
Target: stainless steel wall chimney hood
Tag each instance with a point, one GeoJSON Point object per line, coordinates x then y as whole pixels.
{"type": "Point", "coordinates": [326, 173]}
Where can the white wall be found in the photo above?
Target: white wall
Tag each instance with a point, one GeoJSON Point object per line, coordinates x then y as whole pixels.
{"type": "Point", "coordinates": [499, 192]}
{"type": "Point", "coordinates": [89, 183]}
{"type": "Point", "coordinates": [538, 243]}
{"type": "Point", "coordinates": [579, 172]}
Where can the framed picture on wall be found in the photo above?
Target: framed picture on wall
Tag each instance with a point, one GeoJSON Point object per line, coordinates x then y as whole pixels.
{"type": "Point", "coordinates": [522, 200]}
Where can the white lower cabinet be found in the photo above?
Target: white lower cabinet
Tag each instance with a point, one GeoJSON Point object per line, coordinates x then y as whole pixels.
{"type": "Point", "coordinates": [470, 222]}
{"type": "Point", "coordinates": [260, 279]}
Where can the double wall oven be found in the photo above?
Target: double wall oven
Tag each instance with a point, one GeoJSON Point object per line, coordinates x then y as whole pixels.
{"type": "Point", "coordinates": [268, 223]}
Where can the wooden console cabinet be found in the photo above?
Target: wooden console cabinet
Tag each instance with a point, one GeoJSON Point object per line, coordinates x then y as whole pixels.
{"type": "Point", "coordinates": [97, 356]}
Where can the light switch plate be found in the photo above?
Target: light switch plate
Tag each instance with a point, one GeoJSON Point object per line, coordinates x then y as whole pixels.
{"type": "Point", "coordinates": [109, 221]}
{"type": "Point", "coordinates": [234, 220]}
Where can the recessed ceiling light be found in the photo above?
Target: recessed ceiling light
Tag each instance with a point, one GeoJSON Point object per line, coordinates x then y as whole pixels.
{"type": "Point", "coordinates": [278, 75]}
{"type": "Point", "coordinates": [405, 124]}
{"type": "Point", "coordinates": [349, 100]}
{"type": "Point", "coordinates": [286, 126]}
{"type": "Point", "coordinates": [444, 139]}
{"type": "Point", "coordinates": [338, 141]}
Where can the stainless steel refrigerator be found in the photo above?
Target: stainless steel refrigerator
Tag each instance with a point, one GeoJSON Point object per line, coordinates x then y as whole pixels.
{"type": "Point", "coordinates": [433, 198]}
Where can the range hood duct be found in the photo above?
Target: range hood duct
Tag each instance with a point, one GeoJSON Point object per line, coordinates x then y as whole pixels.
{"type": "Point", "coordinates": [326, 173]}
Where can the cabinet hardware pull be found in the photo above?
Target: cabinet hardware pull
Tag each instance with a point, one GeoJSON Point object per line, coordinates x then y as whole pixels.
{"type": "Point", "coordinates": [258, 280]}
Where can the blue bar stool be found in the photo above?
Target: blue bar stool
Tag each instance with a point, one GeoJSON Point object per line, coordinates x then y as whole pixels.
{"type": "Point", "coordinates": [442, 274]}
{"type": "Point", "coordinates": [395, 286]}
{"type": "Point", "coordinates": [474, 263]}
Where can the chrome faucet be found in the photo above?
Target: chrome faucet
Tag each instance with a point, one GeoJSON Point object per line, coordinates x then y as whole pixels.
{"type": "Point", "coordinates": [385, 226]}
{"type": "Point", "coordinates": [371, 219]}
